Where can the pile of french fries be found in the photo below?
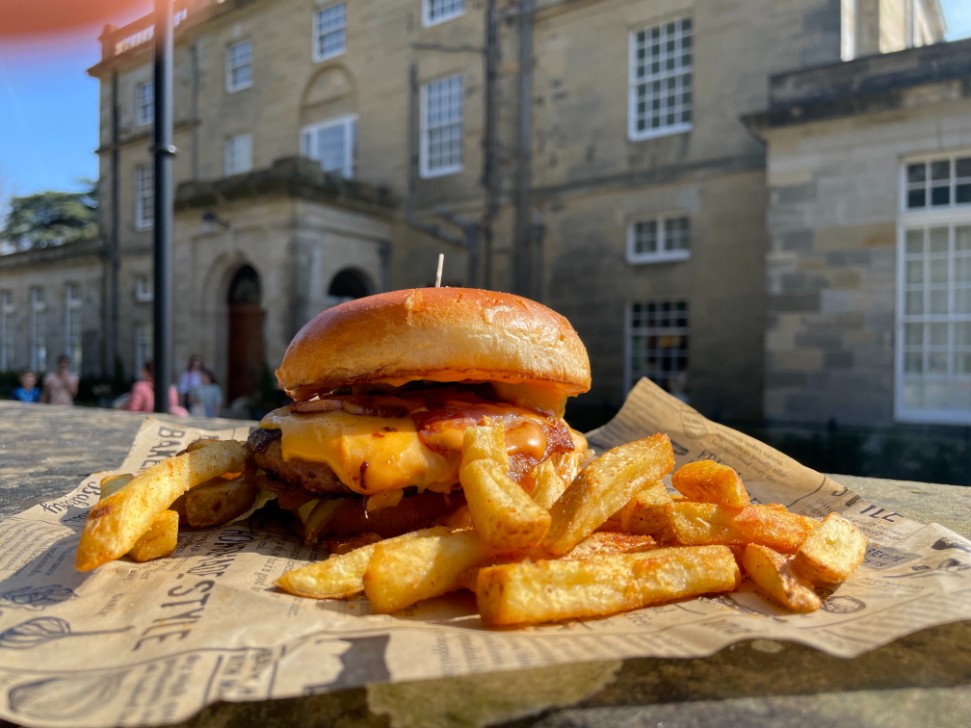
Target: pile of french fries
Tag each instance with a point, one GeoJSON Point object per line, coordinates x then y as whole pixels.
{"type": "Point", "coordinates": [613, 539]}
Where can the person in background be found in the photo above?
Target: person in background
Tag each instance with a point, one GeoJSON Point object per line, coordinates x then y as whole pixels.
{"type": "Point", "coordinates": [142, 398]}
{"type": "Point", "coordinates": [28, 391]}
{"type": "Point", "coordinates": [190, 380]}
{"type": "Point", "coordinates": [61, 386]}
{"type": "Point", "coordinates": [208, 398]}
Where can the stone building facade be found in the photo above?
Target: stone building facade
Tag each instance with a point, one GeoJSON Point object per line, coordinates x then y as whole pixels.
{"type": "Point", "coordinates": [598, 155]}
{"type": "Point", "coordinates": [869, 261]}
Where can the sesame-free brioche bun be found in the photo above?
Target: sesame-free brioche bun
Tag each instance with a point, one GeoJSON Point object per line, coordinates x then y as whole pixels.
{"type": "Point", "coordinates": [438, 335]}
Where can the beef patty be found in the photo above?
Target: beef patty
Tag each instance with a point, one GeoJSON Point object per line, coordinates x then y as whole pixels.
{"type": "Point", "coordinates": [267, 453]}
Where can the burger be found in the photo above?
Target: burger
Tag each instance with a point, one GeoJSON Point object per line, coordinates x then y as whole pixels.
{"type": "Point", "coordinates": [384, 388]}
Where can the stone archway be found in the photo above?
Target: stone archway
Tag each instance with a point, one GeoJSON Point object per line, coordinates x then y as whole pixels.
{"type": "Point", "coordinates": [349, 283]}
{"type": "Point", "coordinates": [245, 346]}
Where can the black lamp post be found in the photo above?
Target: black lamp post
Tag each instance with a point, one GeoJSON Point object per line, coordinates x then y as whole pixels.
{"type": "Point", "coordinates": [163, 150]}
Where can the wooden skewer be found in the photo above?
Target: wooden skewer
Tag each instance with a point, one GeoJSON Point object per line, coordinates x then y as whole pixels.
{"type": "Point", "coordinates": [438, 273]}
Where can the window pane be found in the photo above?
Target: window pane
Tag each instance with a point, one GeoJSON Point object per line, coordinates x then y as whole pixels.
{"type": "Point", "coordinates": [962, 194]}
{"type": "Point", "coordinates": [938, 270]}
{"type": "Point", "coordinates": [962, 237]}
{"type": "Point", "coordinates": [962, 269]}
{"type": "Point", "coordinates": [913, 335]}
{"type": "Point", "coordinates": [938, 240]}
{"type": "Point", "coordinates": [937, 334]}
{"type": "Point", "coordinates": [915, 271]}
{"type": "Point", "coordinates": [916, 198]}
{"type": "Point", "coordinates": [962, 301]}
{"type": "Point", "coordinates": [913, 363]}
{"type": "Point", "coordinates": [941, 169]}
{"type": "Point", "coordinates": [962, 167]}
{"type": "Point", "coordinates": [937, 301]}
{"type": "Point", "coordinates": [914, 302]}
{"type": "Point", "coordinates": [940, 196]}
{"type": "Point", "coordinates": [962, 334]}
{"type": "Point", "coordinates": [916, 173]}
{"type": "Point", "coordinates": [915, 241]}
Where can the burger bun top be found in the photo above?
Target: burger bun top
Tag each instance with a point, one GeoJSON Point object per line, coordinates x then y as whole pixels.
{"type": "Point", "coordinates": [436, 335]}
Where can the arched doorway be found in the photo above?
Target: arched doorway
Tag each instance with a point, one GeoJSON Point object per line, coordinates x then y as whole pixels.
{"type": "Point", "coordinates": [349, 283]}
{"type": "Point", "coordinates": [245, 346]}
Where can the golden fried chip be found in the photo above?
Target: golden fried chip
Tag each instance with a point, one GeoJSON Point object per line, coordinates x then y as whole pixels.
{"type": "Point", "coordinates": [710, 482]}
{"type": "Point", "coordinates": [603, 487]}
{"type": "Point", "coordinates": [532, 592]}
{"type": "Point", "coordinates": [115, 524]}
{"type": "Point", "coordinates": [773, 572]}
{"type": "Point", "coordinates": [831, 552]}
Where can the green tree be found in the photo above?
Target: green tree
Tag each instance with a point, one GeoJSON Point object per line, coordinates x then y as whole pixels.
{"type": "Point", "coordinates": [48, 219]}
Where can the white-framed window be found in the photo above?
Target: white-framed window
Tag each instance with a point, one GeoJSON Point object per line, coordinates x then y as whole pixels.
{"type": "Point", "coordinates": [237, 154]}
{"type": "Point", "coordinates": [72, 322]}
{"type": "Point", "coordinates": [933, 336]}
{"type": "Point", "coordinates": [239, 65]}
{"type": "Point", "coordinates": [434, 12]}
{"type": "Point", "coordinates": [441, 126]}
{"type": "Point", "coordinates": [143, 291]}
{"type": "Point", "coordinates": [657, 344]}
{"type": "Point", "coordinates": [6, 330]}
{"type": "Point", "coordinates": [333, 143]}
{"type": "Point", "coordinates": [660, 80]}
{"type": "Point", "coordinates": [38, 329]}
{"type": "Point", "coordinates": [144, 197]}
{"type": "Point", "coordinates": [937, 183]}
{"type": "Point", "coordinates": [848, 13]}
{"type": "Point", "coordinates": [144, 103]}
{"type": "Point", "coordinates": [660, 239]}
{"type": "Point", "coordinates": [142, 341]}
{"type": "Point", "coordinates": [330, 26]}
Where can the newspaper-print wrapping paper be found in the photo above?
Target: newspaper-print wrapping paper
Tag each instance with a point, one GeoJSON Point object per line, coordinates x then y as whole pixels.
{"type": "Point", "coordinates": [148, 644]}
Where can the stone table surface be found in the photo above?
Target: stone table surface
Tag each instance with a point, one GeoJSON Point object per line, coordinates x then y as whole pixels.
{"type": "Point", "coordinates": [921, 679]}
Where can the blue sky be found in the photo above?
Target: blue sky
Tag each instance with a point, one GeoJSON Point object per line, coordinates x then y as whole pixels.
{"type": "Point", "coordinates": [49, 106]}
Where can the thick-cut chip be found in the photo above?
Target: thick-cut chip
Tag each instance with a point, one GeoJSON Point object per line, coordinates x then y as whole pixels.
{"type": "Point", "coordinates": [773, 572]}
{"type": "Point", "coordinates": [694, 524]}
{"type": "Point", "coordinates": [343, 575]}
{"type": "Point", "coordinates": [116, 523]}
{"type": "Point", "coordinates": [603, 487]}
{"type": "Point", "coordinates": [159, 540]}
{"type": "Point", "coordinates": [401, 574]}
{"type": "Point", "coordinates": [710, 482]}
{"type": "Point", "coordinates": [531, 592]}
{"type": "Point", "coordinates": [646, 512]}
{"type": "Point", "coordinates": [831, 552]}
{"type": "Point", "coordinates": [503, 514]}
{"type": "Point", "coordinates": [219, 501]}
{"type": "Point", "coordinates": [600, 543]}
{"type": "Point", "coordinates": [548, 486]}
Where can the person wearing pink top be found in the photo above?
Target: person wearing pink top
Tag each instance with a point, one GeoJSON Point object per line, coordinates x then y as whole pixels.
{"type": "Point", "coordinates": [142, 398]}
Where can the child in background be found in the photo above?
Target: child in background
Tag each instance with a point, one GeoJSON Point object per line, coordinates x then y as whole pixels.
{"type": "Point", "coordinates": [28, 391]}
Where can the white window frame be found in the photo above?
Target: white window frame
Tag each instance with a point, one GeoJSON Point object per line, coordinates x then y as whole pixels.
{"type": "Point", "coordinates": [434, 12]}
{"type": "Point", "coordinates": [72, 322]}
{"type": "Point", "coordinates": [430, 126]}
{"type": "Point", "coordinates": [682, 77]}
{"type": "Point", "coordinates": [144, 197]}
{"type": "Point", "coordinates": [237, 154]}
{"type": "Point", "coordinates": [663, 254]}
{"type": "Point", "coordinates": [144, 102]}
{"type": "Point", "coordinates": [236, 80]}
{"type": "Point", "coordinates": [630, 332]}
{"type": "Point", "coordinates": [947, 217]}
{"type": "Point", "coordinates": [329, 25]}
{"type": "Point", "coordinates": [309, 143]}
{"type": "Point", "coordinates": [6, 330]}
{"type": "Point", "coordinates": [38, 339]}
{"type": "Point", "coordinates": [142, 290]}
